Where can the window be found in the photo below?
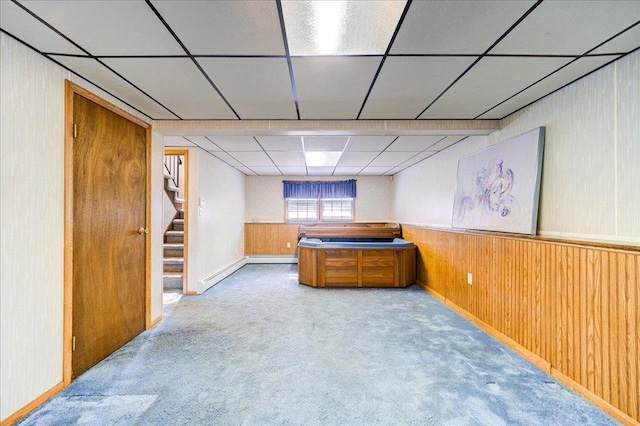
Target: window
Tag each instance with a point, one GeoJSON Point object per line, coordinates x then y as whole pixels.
{"type": "Point", "coordinates": [323, 210]}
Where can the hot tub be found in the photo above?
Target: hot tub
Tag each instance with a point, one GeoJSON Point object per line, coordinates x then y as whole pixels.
{"type": "Point", "coordinates": [356, 262]}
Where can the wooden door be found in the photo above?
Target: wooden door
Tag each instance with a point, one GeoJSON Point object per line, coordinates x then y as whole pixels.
{"type": "Point", "coordinates": [109, 253]}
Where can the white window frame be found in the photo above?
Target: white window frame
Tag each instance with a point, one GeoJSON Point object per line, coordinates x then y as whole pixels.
{"type": "Point", "coordinates": [320, 217]}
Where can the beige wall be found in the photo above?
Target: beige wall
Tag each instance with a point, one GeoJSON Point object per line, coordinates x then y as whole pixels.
{"type": "Point", "coordinates": [265, 203]}
{"type": "Point", "coordinates": [591, 163]}
{"type": "Point", "coordinates": [216, 229]}
{"type": "Point", "coordinates": [31, 223]}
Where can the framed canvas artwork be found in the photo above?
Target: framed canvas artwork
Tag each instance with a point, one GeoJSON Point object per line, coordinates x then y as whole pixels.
{"type": "Point", "coordinates": [498, 188]}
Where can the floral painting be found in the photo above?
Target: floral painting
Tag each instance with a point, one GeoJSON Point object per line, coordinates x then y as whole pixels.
{"type": "Point", "coordinates": [498, 188]}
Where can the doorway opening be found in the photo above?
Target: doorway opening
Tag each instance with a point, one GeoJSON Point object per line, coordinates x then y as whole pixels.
{"type": "Point", "coordinates": [175, 226]}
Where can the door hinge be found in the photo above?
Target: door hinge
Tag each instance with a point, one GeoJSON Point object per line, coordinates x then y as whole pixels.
{"type": "Point", "coordinates": [73, 343]}
{"type": "Point", "coordinates": [75, 130]}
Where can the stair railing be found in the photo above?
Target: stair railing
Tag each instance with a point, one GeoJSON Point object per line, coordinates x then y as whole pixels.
{"type": "Point", "coordinates": [172, 165]}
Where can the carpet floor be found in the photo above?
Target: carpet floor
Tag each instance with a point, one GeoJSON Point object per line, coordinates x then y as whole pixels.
{"type": "Point", "coordinates": [260, 349]}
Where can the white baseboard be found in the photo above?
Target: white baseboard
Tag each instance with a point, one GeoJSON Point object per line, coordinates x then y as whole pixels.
{"type": "Point", "coordinates": [273, 259]}
{"type": "Point", "coordinates": [219, 275]}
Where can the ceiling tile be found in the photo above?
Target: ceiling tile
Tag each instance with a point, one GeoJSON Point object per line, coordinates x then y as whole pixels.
{"type": "Point", "coordinates": [320, 171]}
{"type": "Point", "coordinates": [228, 159]}
{"type": "Point", "coordinates": [332, 87]}
{"type": "Point", "coordinates": [369, 143]}
{"type": "Point", "coordinates": [247, 171]}
{"type": "Point", "coordinates": [418, 158]}
{"type": "Point", "coordinates": [456, 27]}
{"type": "Point", "coordinates": [176, 141]}
{"type": "Point", "coordinates": [283, 158]}
{"type": "Point", "coordinates": [101, 76]}
{"type": "Point", "coordinates": [571, 72]}
{"type": "Point", "coordinates": [406, 86]}
{"type": "Point", "coordinates": [293, 171]}
{"type": "Point", "coordinates": [20, 24]}
{"type": "Point", "coordinates": [359, 158]}
{"type": "Point", "coordinates": [280, 143]}
{"type": "Point", "coordinates": [414, 143]}
{"type": "Point", "coordinates": [569, 27]}
{"type": "Point", "coordinates": [391, 159]}
{"type": "Point", "coordinates": [489, 82]}
{"type": "Point", "coordinates": [176, 83]}
{"type": "Point", "coordinates": [257, 88]}
{"type": "Point", "coordinates": [204, 143]}
{"type": "Point", "coordinates": [236, 143]}
{"type": "Point", "coordinates": [266, 171]}
{"type": "Point", "coordinates": [347, 171]}
{"type": "Point", "coordinates": [340, 27]}
{"type": "Point", "coordinates": [225, 27]}
{"type": "Point", "coordinates": [624, 43]}
{"type": "Point", "coordinates": [109, 27]}
{"type": "Point", "coordinates": [252, 158]}
{"type": "Point", "coordinates": [446, 142]}
{"type": "Point", "coordinates": [325, 143]}
{"type": "Point", "coordinates": [375, 171]}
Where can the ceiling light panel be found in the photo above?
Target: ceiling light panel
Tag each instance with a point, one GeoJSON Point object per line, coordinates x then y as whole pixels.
{"type": "Point", "coordinates": [391, 159]}
{"type": "Point", "coordinates": [333, 87]}
{"type": "Point", "coordinates": [225, 27]}
{"type": "Point", "coordinates": [280, 143]}
{"type": "Point", "coordinates": [236, 143]}
{"type": "Point", "coordinates": [325, 143]}
{"type": "Point", "coordinates": [340, 27]}
{"type": "Point", "coordinates": [405, 86]}
{"type": "Point", "coordinates": [101, 76]}
{"type": "Point", "coordinates": [369, 143]}
{"type": "Point", "coordinates": [252, 158]}
{"type": "Point", "coordinates": [289, 159]}
{"type": "Point", "coordinates": [176, 83]}
{"type": "Point", "coordinates": [109, 27]}
{"type": "Point", "coordinates": [488, 83]}
{"type": "Point", "coordinates": [571, 72]}
{"type": "Point", "coordinates": [569, 27]}
{"type": "Point", "coordinates": [258, 88]}
{"type": "Point", "coordinates": [19, 23]}
{"type": "Point", "coordinates": [322, 159]}
{"type": "Point", "coordinates": [360, 158]}
{"type": "Point", "coordinates": [456, 27]}
{"type": "Point", "coordinates": [414, 143]}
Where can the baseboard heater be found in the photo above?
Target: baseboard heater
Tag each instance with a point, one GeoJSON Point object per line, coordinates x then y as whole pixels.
{"type": "Point", "coordinates": [222, 273]}
{"type": "Point", "coordinates": [273, 259]}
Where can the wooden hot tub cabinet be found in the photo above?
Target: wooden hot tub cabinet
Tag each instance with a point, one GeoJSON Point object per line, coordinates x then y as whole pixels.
{"type": "Point", "coordinates": [353, 264]}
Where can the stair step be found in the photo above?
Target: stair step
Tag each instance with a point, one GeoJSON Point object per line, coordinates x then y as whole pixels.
{"type": "Point", "coordinates": [178, 224]}
{"type": "Point", "coordinates": [173, 264]}
{"type": "Point", "coordinates": [172, 281]}
{"type": "Point", "coordinates": [180, 214]}
{"type": "Point", "coordinates": [167, 175]}
{"type": "Point", "coordinates": [171, 187]}
{"type": "Point", "coordinates": [173, 250]}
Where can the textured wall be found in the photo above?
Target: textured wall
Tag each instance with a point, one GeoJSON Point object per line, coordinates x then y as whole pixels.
{"type": "Point", "coordinates": [31, 223]}
{"type": "Point", "coordinates": [265, 203]}
{"type": "Point", "coordinates": [217, 234]}
{"type": "Point", "coordinates": [590, 172]}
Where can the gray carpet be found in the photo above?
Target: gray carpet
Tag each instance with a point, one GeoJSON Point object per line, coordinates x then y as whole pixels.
{"type": "Point", "coordinates": [259, 349]}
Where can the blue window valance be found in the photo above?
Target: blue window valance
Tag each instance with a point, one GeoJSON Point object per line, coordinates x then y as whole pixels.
{"type": "Point", "coordinates": [320, 189]}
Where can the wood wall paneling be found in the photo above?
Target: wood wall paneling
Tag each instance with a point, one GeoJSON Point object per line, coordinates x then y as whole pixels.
{"type": "Point", "coordinates": [266, 239]}
{"type": "Point", "coordinates": [575, 306]}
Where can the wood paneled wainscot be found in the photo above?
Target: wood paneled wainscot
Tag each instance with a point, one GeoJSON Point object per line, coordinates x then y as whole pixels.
{"type": "Point", "coordinates": [270, 239]}
{"type": "Point", "coordinates": [571, 308]}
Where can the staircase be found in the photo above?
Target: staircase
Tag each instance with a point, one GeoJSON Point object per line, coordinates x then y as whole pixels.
{"type": "Point", "coordinates": [173, 247]}
{"type": "Point", "coordinates": [173, 254]}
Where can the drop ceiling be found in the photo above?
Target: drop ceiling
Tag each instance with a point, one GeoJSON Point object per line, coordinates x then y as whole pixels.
{"type": "Point", "coordinates": [289, 61]}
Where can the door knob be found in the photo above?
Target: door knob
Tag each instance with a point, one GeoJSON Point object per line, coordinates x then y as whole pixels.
{"type": "Point", "coordinates": [143, 231]}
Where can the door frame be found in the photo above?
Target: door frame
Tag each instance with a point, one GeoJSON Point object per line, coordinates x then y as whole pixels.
{"type": "Point", "coordinates": [72, 89]}
{"type": "Point", "coordinates": [185, 206]}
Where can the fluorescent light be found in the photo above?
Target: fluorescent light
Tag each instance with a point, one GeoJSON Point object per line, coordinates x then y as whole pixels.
{"type": "Point", "coordinates": [328, 26]}
{"type": "Point", "coordinates": [322, 159]}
